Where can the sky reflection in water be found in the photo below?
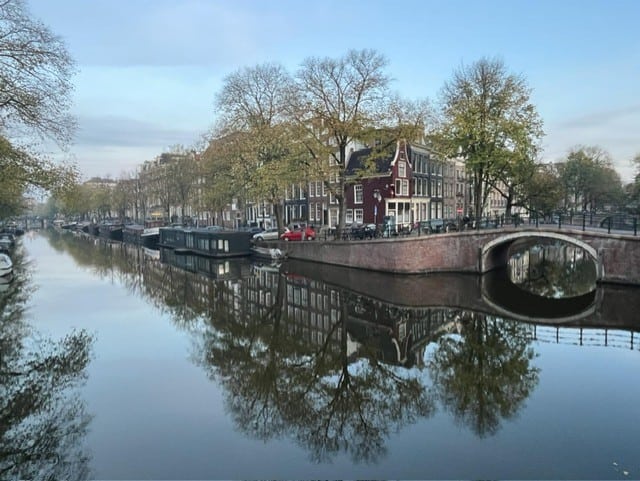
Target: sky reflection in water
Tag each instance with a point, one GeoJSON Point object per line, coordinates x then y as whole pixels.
{"type": "Point", "coordinates": [198, 377]}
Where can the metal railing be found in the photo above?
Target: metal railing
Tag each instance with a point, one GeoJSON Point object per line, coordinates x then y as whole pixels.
{"type": "Point", "coordinates": [610, 223]}
{"type": "Point", "coordinates": [581, 336]}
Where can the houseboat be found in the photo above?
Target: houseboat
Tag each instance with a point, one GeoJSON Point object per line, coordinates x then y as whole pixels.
{"type": "Point", "coordinates": [206, 242]}
{"type": "Point", "coordinates": [213, 268]}
{"type": "Point", "coordinates": [132, 234]}
{"type": "Point", "coordinates": [110, 231]}
{"type": "Point", "coordinates": [151, 233]}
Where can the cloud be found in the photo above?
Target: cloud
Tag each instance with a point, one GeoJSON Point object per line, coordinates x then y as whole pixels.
{"type": "Point", "coordinates": [602, 118]}
{"type": "Point", "coordinates": [120, 131]}
{"type": "Point", "coordinates": [614, 130]}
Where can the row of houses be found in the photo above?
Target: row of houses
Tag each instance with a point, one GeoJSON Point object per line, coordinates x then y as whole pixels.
{"type": "Point", "coordinates": [407, 184]}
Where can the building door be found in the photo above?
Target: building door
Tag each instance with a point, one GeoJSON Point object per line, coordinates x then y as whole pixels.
{"type": "Point", "coordinates": [333, 217]}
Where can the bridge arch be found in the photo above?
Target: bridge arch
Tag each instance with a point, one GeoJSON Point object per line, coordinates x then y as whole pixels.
{"type": "Point", "coordinates": [493, 254]}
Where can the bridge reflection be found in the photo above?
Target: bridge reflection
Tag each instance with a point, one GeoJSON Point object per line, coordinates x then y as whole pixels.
{"type": "Point", "coordinates": [337, 358]}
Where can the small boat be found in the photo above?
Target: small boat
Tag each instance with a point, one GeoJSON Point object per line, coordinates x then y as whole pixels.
{"type": "Point", "coordinates": [6, 269]}
{"type": "Point", "coordinates": [151, 253]}
{"type": "Point", "coordinates": [269, 252]}
{"type": "Point", "coordinates": [70, 225]}
{"type": "Point", "coordinates": [7, 241]}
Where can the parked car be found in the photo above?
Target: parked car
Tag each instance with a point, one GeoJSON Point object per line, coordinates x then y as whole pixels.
{"type": "Point", "coordinates": [269, 234]}
{"type": "Point", "coordinates": [438, 225]}
{"type": "Point", "coordinates": [302, 233]}
{"type": "Point", "coordinates": [362, 231]}
{"type": "Point", "coordinates": [252, 229]}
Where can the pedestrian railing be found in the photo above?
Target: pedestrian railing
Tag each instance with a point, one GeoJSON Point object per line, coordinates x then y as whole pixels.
{"type": "Point", "coordinates": [610, 223]}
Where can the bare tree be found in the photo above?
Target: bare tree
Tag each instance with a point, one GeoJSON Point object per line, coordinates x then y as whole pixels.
{"type": "Point", "coordinates": [35, 96]}
{"type": "Point", "coordinates": [337, 101]}
{"type": "Point", "coordinates": [259, 142]}
{"type": "Point", "coordinates": [35, 73]}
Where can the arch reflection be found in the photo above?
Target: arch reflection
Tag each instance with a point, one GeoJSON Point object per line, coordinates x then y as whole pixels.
{"type": "Point", "coordinates": [551, 269]}
{"type": "Point", "coordinates": [338, 359]}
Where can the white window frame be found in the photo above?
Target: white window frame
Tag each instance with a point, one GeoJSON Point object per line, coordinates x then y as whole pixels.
{"type": "Point", "coordinates": [358, 196]}
{"type": "Point", "coordinates": [402, 169]}
{"type": "Point", "coordinates": [359, 216]}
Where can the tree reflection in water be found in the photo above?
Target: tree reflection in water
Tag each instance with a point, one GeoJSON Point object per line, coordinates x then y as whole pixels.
{"type": "Point", "coordinates": [335, 370]}
{"type": "Point", "coordinates": [551, 269]}
{"type": "Point", "coordinates": [42, 419]}
{"type": "Point", "coordinates": [278, 384]}
{"type": "Point", "coordinates": [484, 375]}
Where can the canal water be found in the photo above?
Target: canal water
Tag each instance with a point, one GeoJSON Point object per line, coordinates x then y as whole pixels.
{"type": "Point", "coordinates": [121, 363]}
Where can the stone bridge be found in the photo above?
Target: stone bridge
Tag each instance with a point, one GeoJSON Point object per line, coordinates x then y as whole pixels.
{"type": "Point", "coordinates": [617, 256]}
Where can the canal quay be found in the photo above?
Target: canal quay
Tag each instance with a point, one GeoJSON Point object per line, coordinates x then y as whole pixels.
{"type": "Point", "coordinates": [154, 365]}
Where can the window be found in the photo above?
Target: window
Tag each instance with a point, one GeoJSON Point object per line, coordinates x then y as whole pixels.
{"type": "Point", "coordinates": [402, 169]}
{"type": "Point", "coordinates": [312, 189]}
{"type": "Point", "coordinates": [349, 216]}
{"type": "Point", "coordinates": [359, 216]}
{"type": "Point", "coordinates": [402, 187]}
{"type": "Point", "coordinates": [357, 194]}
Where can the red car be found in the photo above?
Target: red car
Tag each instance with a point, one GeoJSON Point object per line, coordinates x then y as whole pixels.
{"type": "Point", "coordinates": [304, 233]}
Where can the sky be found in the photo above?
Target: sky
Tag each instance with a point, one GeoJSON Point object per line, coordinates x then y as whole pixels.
{"type": "Point", "coordinates": [149, 70]}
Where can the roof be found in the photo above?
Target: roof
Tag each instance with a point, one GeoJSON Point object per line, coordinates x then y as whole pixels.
{"type": "Point", "coordinates": [358, 161]}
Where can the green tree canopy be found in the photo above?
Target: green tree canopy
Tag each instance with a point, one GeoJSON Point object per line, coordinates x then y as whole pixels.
{"type": "Point", "coordinates": [35, 97]}
{"type": "Point", "coordinates": [487, 118]}
{"type": "Point", "coordinates": [589, 180]}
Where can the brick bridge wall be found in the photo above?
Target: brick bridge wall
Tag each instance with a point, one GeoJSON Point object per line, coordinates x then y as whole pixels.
{"type": "Point", "coordinates": [618, 256]}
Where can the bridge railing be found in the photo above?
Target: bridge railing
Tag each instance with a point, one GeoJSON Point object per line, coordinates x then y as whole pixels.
{"type": "Point", "coordinates": [601, 337]}
{"type": "Point", "coordinates": [610, 223]}
{"type": "Point", "coordinates": [617, 223]}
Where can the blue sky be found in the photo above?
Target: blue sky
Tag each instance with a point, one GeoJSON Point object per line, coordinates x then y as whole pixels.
{"type": "Point", "coordinates": [149, 70]}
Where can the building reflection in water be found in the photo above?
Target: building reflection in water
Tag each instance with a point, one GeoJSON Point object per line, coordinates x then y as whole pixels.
{"type": "Point", "coordinates": [336, 359]}
{"type": "Point", "coordinates": [551, 269]}
{"type": "Point", "coordinates": [43, 421]}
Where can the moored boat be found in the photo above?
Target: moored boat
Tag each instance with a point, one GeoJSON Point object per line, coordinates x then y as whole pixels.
{"type": "Point", "coordinates": [151, 233]}
{"type": "Point", "coordinates": [206, 242]}
{"type": "Point", "coordinates": [6, 269]}
{"type": "Point", "coordinates": [111, 231]}
{"type": "Point", "coordinates": [268, 252]}
{"type": "Point", "coordinates": [7, 241]}
{"type": "Point", "coordinates": [132, 234]}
